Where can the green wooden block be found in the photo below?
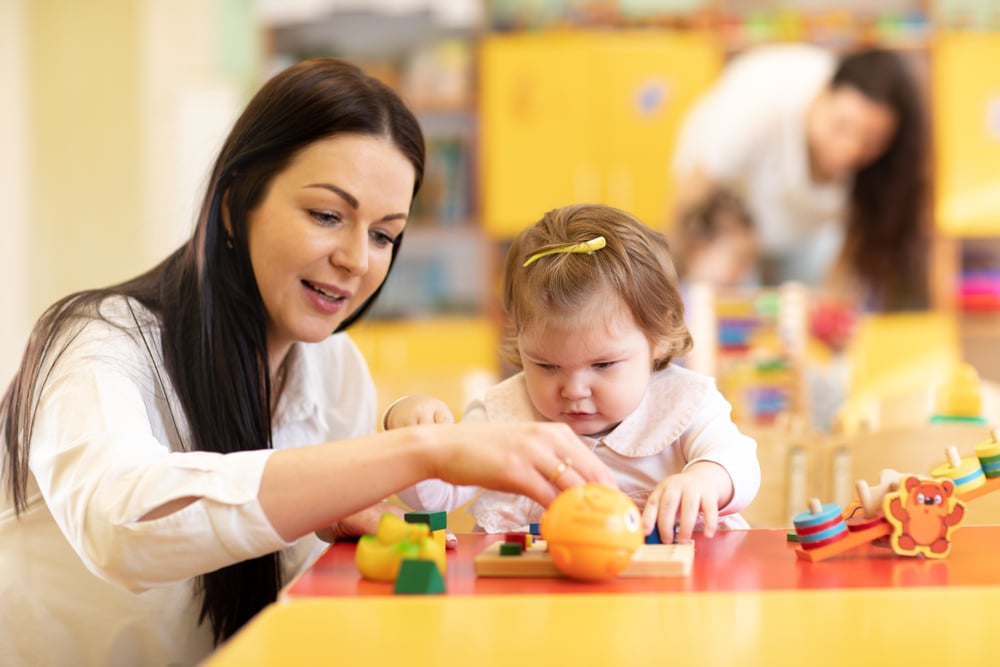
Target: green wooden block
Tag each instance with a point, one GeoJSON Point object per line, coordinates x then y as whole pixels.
{"type": "Point", "coordinates": [511, 549]}
{"type": "Point", "coordinates": [419, 577]}
{"type": "Point", "coordinates": [434, 520]}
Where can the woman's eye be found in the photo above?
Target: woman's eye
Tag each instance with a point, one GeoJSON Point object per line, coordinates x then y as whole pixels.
{"type": "Point", "coordinates": [325, 217]}
{"type": "Point", "coordinates": [382, 239]}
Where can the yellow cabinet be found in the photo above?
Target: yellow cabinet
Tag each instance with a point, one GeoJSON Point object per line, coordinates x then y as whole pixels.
{"type": "Point", "coordinates": [569, 117]}
{"type": "Point", "coordinates": [966, 94]}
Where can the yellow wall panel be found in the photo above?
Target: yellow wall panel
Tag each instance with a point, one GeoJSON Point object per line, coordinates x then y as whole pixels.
{"type": "Point", "coordinates": [537, 145]}
{"type": "Point", "coordinates": [584, 117]}
{"type": "Point", "coordinates": [966, 94]}
{"type": "Point", "coordinates": [648, 81]}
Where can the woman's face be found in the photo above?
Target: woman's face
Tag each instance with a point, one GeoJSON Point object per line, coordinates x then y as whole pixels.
{"type": "Point", "coordinates": [847, 131]}
{"type": "Point", "coordinates": [321, 240]}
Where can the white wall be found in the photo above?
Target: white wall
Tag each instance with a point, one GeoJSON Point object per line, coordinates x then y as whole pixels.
{"type": "Point", "coordinates": [110, 113]}
{"type": "Point", "coordinates": [14, 215]}
{"type": "Point", "coordinates": [194, 84]}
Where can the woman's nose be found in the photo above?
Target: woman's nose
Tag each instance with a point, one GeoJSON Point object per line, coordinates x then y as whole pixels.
{"type": "Point", "coordinates": [351, 252]}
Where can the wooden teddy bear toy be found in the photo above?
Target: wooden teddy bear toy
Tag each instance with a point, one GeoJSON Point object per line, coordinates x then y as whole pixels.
{"type": "Point", "coordinates": [923, 513]}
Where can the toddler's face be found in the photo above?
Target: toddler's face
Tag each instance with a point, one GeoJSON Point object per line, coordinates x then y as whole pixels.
{"type": "Point", "coordinates": [589, 373]}
{"type": "Point", "coordinates": [727, 260]}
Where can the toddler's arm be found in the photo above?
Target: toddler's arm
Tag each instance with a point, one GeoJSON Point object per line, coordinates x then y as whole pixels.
{"type": "Point", "coordinates": [722, 475]}
{"type": "Point", "coordinates": [431, 494]}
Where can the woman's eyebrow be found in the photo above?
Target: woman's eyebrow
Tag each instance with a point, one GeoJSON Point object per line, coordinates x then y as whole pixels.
{"type": "Point", "coordinates": [351, 200]}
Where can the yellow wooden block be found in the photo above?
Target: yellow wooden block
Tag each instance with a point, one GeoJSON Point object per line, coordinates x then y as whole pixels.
{"type": "Point", "coordinates": [651, 560]}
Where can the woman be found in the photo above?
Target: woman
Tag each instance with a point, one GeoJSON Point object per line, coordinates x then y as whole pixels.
{"type": "Point", "coordinates": [169, 440]}
{"type": "Point", "coordinates": [830, 158]}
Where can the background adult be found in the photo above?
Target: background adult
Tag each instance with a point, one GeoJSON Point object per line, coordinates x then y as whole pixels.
{"type": "Point", "coordinates": [828, 154]}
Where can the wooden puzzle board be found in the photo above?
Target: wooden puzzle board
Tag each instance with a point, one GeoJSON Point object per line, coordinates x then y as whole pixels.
{"type": "Point", "coordinates": [651, 560]}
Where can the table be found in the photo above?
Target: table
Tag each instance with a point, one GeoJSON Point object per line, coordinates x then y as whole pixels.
{"type": "Point", "coordinates": [744, 560]}
{"type": "Point", "coordinates": [748, 602]}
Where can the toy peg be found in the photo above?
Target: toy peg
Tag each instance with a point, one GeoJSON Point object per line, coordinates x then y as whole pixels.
{"type": "Point", "coordinates": [870, 509]}
{"type": "Point", "coordinates": [865, 496]}
{"type": "Point", "coordinates": [966, 473]}
{"type": "Point", "coordinates": [951, 453]}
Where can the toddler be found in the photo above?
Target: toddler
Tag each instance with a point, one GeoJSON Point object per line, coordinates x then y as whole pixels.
{"type": "Point", "coordinates": [595, 317]}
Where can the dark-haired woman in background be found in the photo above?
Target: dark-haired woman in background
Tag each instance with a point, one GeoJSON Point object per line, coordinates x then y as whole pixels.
{"type": "Point", "coordinates": [171, 444]}
{"type": "Point", "coordinates": [829, 155]}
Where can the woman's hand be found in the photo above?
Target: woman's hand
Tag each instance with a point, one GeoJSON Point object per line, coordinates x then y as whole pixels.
{"type": "Point", "coordinates": [417, 409]}
{"type": "Point", "coordinates": [536, 459]}
{"type": "Point", "coordinates": [703, 487]}
{"type": "Point", "coordinates": [360, 523]}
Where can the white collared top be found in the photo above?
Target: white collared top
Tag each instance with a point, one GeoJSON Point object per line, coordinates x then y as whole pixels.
{"type": "Point", "coordinates": [82, 580]}
{"type": "Point", "coordinates": [681, 419]}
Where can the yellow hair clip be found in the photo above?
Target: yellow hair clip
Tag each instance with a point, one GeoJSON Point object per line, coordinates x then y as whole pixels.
{"type": "Point", "coordinates": [586, 247]}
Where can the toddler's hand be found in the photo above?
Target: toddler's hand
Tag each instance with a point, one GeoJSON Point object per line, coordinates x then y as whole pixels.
{"type": "Point", "coordinates": [678, 499]}
{"type": "Point", "coordinates": [417, 409]}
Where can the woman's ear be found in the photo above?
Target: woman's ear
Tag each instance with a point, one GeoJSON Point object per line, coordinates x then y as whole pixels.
{"type": "Point", "coordinates": [226, 222]}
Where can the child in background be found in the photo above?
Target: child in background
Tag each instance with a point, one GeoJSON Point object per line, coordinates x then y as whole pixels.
{"type": "Point", "coordinates": [595, 317]}
{"type": "Point", "coordinates": [715, 243]}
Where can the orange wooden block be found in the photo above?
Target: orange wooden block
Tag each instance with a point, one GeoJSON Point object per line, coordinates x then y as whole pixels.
{"type": "Point", "coordinates": [651, 560]}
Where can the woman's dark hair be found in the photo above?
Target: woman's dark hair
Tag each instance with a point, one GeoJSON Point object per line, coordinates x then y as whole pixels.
{"type": "Point", "coordinates": [889, 196]}
{"type": "Point", "coordinates": [205, 294]}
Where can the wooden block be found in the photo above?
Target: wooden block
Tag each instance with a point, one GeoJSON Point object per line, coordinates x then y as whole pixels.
{"type": "Point", "coordinates": [434, 520]}
{"type": "Point", "coordinates": [419, 577]}
{"type": "Point", "coordinates": [651, 560]}
{"type": "Point", "coordinates": [852, 540]}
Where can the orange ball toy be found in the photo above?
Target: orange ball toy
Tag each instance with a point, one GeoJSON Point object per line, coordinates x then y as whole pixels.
{"type": "Point", "coordinates": [592, 532]}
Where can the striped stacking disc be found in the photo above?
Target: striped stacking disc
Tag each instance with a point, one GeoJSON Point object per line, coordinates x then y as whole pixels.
{"type": "Point", "coordinates": [988, 449]}
{"type": "Point", "coordinates": [820, 528]}
{"type": "Point", "coordinates": [967, 476]}
{"type": "Point", "coordinates": [861, 522]}
{"type": "Point", "coordinates": [988, 454]}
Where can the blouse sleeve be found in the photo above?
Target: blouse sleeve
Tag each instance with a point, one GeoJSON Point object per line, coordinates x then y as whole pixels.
{"type": "Point", "coordinates": [100, 467]}
{"type": "Point", "coordinates": [712, 436]}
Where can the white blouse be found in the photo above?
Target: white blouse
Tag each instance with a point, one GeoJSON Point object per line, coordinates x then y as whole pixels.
{"type": "Point", "coordinates": [82, 580]}
{"type": "Point", "coordinates": [682, 419]}
{"type": "Point", "coordinates": [748, 132]}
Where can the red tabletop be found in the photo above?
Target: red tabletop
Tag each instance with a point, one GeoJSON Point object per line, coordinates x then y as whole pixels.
{"type": "Point", "coordinates": [750, 560]}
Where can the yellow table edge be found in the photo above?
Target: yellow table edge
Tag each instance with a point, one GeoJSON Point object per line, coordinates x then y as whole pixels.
{"type": "Point", "coordinates": [938, 625]}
